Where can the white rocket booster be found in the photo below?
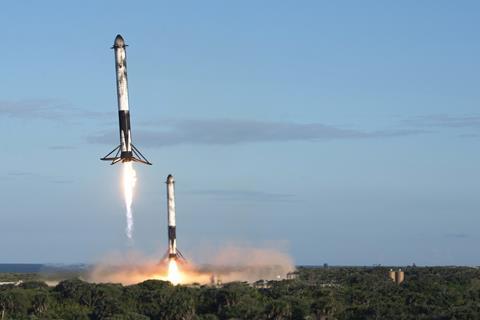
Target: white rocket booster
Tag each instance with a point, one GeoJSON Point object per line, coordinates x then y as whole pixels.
{"type": "Point", "coordinates": [172, 236]}
{"type": "Point", "coordinates": [126, 151]}
{"type": "Point", "coordinates": [173, 252]}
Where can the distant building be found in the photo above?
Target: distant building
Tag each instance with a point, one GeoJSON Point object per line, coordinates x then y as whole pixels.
{"type": "Point", "coordinates": [292, 275]}
{"type": "Point", "coordinates": [261, 284]}
{"type": "Point", "coordinates": [396, 276]}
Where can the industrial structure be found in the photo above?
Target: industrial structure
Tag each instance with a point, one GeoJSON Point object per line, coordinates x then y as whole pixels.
{"type": "Point", "coordinates": [126, 151]}
{"type": "Point", "coordinates": [396, 276]}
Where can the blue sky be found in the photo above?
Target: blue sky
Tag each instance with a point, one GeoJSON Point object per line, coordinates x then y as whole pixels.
{"type": "Point", "coordinates": [343, 132]}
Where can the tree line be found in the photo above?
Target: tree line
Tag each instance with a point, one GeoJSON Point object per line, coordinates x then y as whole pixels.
{"type": "Point", "coordinates": [316, 293]}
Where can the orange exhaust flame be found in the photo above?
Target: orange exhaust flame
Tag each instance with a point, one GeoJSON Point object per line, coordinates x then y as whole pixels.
{"type": "Point", "coordinates": [174, 274]}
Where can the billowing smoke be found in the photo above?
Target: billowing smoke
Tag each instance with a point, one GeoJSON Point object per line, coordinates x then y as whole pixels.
{"type": "Point", "coordinates": [126, 269]}
{"type": "Point", "coordinates": [129, 181]}
{"type": "Point", "coordinates": [231, 263]}
{"type": "Point", "coordinates": [244, 263]}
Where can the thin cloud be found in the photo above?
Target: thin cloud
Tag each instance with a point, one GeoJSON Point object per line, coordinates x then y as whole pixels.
{"type": "Point", "coordinates": [47, 109]}
{"type": "Point", "coordinates": [20, 173]}
{"type": "Point", "coordinates": [469, 135]}
{"type": "Point", "coordinates": [445, 121]}
{"type": "Point", "coordinates": [16, 174]}
{"type": "Point", "coordinates": [231, 132]}
{"type": "Point", "coordinates": [246, 195]}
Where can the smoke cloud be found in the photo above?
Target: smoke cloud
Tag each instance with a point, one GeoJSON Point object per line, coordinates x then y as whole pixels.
{"type": "Point", "coordinates": [230, 263]}
{"type": "Point", "coordinates": [243, 263]}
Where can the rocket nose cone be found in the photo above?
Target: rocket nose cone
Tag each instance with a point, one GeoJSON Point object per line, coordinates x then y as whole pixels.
{"type": "Point", "coordinates": [119, 42]}
{"type": "Point", "coordinates": [169, 178]}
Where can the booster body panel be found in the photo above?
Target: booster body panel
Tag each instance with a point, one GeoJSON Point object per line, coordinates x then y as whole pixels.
{"type": "Point", "coordinates": [121, 72]}
{"type": "Point", "coordinates": [119, 48]}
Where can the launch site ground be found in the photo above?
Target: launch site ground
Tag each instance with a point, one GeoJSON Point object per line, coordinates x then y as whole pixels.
{"type": "Point", "coordinates": [312, 293]}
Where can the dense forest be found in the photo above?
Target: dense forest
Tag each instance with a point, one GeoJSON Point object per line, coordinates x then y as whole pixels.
{"type": "Point", "coordinates": [316, 293]}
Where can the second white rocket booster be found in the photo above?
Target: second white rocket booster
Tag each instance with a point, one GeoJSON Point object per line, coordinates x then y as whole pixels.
{"type": "Point", "coordinates": [172, 236]}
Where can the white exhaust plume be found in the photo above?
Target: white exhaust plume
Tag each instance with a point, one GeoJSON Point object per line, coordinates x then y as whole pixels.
{"type": "Point", "coordinates": [129, 181]}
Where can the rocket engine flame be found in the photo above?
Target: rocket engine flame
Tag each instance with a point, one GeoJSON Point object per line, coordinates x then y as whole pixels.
{"type": "Point", "coordinates": [174, 274]}
{"type": "Point", "coordinates": [129, 181]}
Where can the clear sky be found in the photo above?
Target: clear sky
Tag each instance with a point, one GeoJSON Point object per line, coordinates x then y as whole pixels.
{"type": "Point", "coordinates": [345, 132]}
